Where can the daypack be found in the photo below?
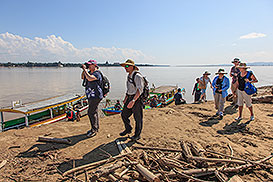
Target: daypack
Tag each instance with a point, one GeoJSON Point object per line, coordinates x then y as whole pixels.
{"type": "Point", "coordinates": [105, 84]}
{"type": "Point", "coordinates": [249, 88]}
{"type": "Point", "coordinates": [146, 90]}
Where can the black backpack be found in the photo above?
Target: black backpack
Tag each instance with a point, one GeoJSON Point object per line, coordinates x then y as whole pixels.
{"type": "Point", "coordinates": [146, 91]}
{"type": "Point", "coordinates": [105, 84]}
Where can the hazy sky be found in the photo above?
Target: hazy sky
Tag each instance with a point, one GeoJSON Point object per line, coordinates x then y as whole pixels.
{"type": "Point", "coordinates": [148, 31]}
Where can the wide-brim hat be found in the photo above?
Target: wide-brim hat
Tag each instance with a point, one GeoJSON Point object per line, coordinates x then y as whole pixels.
{"type": "Point", "coordinates": [243, 65]}
{"type": "Point", "coordinates": [130, 63]}
{"type": "Point", "coordinates": [221, 71]}
{"type": "Point", "coordinates": [236, 60]}
{"type": "Point", "coordinates": [206, 73]}
{"type": "Point", "coordinates": [91, 61]}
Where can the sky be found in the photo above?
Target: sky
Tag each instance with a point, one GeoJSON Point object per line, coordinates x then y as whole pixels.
{"type": "Point", "coordinates": [175, 32]}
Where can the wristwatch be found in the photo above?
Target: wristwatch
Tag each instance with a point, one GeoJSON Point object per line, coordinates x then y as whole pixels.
{"type": "Point", "coordinates": [133, 100]}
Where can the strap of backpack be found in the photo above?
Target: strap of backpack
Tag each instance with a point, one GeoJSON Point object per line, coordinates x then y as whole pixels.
{"type": "Point", "coordinates": [101, 82]}
{"type": "Point", "coordinates": [133, 78]}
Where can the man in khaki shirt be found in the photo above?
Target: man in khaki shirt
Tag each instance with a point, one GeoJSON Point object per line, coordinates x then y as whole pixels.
{"type": "Point", "coordinates": [132, 102]}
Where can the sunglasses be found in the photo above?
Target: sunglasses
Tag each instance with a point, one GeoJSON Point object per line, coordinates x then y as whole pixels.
{"type": "Point", "coordinates": [127, 66]}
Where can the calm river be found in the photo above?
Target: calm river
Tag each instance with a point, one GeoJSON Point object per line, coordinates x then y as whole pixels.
{"type": "Point", "coordinates": [32, 84]}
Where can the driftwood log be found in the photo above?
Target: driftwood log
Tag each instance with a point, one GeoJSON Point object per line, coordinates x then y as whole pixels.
{"type": "Point", "coordinates": [106, 170]}
{"type": "Point", "coordinates": [3, 163]}
{"type": "Point", "coordinates": [54, 140]}
{"type": "Point", "coordinates": [146, 173]}
{"type": "Point", "coordinates": [92, 165]}
{"type": "Point", "coordinates": [156, 148]}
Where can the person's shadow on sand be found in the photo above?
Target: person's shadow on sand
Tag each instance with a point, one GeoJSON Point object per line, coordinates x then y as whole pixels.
{"type": "Point", "coordinates": [234, 127]}
{"type": "Point", "coordinates": [210, 122]}
{"type": "Point", "coordinates": [230, 110]}
{"type": "Point", "coordinates": [40, 148]}
{"type": "Point", "coordinates": [104, 151]}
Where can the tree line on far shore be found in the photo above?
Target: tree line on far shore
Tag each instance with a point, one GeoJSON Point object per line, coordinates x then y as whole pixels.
{"type": "Point", "coordinates": [58, 64]}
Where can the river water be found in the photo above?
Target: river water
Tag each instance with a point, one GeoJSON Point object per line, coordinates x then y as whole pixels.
{"type": "Point", "coordinates": [32, 84]}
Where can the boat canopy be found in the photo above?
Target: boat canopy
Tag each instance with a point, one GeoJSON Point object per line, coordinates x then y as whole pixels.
{"type": "Point", "coordinates": [44, 104]}
{"type": "Point", "coordinates": [163, 89]}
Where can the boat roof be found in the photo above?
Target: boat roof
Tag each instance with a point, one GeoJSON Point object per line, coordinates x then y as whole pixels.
{"type": "Point", "coordinates": [44, 104]}
{"type": "Point", "coordinates": [163, 89]}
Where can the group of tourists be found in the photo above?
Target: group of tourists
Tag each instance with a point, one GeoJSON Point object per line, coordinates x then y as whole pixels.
{"type": "Point", "coordinates": [241, 78]}
{"type": "Point", "coordinates": [133, 102]}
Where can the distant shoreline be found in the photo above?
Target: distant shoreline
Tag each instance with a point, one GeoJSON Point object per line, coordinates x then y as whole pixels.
{"type": "Point", "coordinates": [60, 64]}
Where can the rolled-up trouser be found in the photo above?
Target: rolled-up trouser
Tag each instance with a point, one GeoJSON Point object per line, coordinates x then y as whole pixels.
{"type": "Point", "coordinates": [197, 96]}
{"type": "Point", "coordinates": [234, 88]}
{"type": "Point", "coordinates": [219, 101]}
{"type": "Point", "coordinates": [137, 111]}
{"type": "Point", "coordinates": [93, 113]}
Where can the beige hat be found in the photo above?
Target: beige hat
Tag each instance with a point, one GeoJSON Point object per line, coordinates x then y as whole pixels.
{"type": "Point", "coordinates": [243, 65]}
{"type": "Point", "coordinates": [130, 63]}
{"type": "Point", "coordinates": [220, 71]}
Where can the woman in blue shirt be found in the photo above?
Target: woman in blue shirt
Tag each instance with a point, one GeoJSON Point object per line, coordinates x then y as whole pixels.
{"type": "Point", "coordinates": [220, 85]}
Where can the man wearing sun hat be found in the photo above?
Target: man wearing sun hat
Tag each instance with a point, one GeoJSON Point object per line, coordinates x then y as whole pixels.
{"type": "Point", "coordinates": [220, 85]}
{"type": "Point", "coordinates": [132, 103]}
{"type": "Point", "coordinates": [93, 93]}
{"type": "Point", "coordinates": [234, 72]}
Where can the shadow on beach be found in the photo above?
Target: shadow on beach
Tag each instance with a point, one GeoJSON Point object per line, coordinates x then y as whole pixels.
{"type": "Point", "coordinates": [104, 151]}
{"type": "Point", "coordinates": [41, 148]}
{"type": "Point", "coordinates": [230, 110]}
{"type": "Point", "coordinates": [234, 127]}
{"type": "Point", "coordinates": [210, 122]}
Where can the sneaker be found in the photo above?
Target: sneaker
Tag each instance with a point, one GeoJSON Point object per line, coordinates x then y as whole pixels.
{"type": "Point", "coordinates": [251, 118]}
{"type": "Point", "coordinates": [135, 137]}
{"type": "Point", "coordinates": [91, 134]}
{"type": "Point", "coordinates": [125, 132]}
{"type": "Point", "coordinates": [238, 119]}
{"type": "Point", "coordinates": [236, 106]}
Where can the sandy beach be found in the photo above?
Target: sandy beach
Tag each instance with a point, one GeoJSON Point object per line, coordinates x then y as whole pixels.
{"type": "Point", "coordinates": [29, 160]}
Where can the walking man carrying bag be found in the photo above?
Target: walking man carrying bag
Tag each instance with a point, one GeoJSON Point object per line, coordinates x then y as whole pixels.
{"type": "Point", "coordinates": [133, 104]}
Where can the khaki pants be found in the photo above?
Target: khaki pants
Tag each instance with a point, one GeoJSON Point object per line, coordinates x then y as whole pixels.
{"type": "Point", "coordinates": [219, 103]}
{"type": "Point", "coordinates": [234, 88]}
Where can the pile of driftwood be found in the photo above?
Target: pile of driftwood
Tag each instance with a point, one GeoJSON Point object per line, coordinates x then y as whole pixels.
{"type": "Point", "coordinates": [190, 163]}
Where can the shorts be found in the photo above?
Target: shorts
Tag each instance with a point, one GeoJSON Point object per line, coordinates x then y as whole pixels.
{"type": "Point", "coordinates": [203, 91]}
{"type": "Point", "coordinates": [243, 96]}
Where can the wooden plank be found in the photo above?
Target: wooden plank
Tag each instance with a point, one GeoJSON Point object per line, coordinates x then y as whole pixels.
{"type": "Point", "coordinates": [235, 178]}
{"type": "Point", "coordinates": [3, 163]}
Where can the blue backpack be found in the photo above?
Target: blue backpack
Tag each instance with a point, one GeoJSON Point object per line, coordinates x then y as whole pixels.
{"type": "Point", "coordinates": [249, 88]}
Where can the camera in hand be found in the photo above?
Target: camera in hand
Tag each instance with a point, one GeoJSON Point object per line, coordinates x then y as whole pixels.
{"type": "Point", "coordinates": [86, 65]}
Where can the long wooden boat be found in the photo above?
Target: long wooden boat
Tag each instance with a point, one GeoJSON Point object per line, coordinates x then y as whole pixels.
{"type": "Point", "coordinates": [110, 111]}
{"type": "Point", "coordinates": [42, 112]}
{"type": "Point", "coordinates": [169, 91]}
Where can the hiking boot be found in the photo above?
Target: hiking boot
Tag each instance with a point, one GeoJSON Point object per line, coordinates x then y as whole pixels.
{"type": "Point", "coordinates": [125, 132]}
{"type": "Point", "coordinates": [238, 119]}
{"type": "Point", "coordinates": [251, 118]}
{"type": "Point", "coordinates": [91, 133]}
{"type": "Point", "coordinates": [135, 137]}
